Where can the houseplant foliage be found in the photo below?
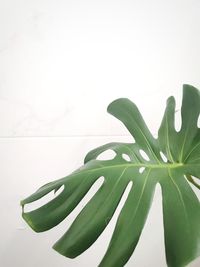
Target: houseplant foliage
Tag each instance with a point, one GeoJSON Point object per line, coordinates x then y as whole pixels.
{"type": "Point", "coordinates": [181, 209]}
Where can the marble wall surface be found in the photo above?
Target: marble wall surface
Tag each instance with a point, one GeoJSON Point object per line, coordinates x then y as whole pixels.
{"type": "Point", "coordinates": [61, 64]}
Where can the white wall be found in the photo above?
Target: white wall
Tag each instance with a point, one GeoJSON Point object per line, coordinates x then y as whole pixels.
{"type": "Point", "coordinates": [61, 63]}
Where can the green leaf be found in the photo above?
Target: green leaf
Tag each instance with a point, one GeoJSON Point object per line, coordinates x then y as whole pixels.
{"type": "Point", "coordinates": [181, 209]}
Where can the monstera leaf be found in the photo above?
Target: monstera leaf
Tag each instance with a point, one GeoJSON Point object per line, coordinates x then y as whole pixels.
{"type": "Point", "coordinates": [143, 165]}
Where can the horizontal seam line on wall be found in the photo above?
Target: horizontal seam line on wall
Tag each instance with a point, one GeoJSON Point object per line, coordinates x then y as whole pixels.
{"type": "Point", "coordinates": [60, 136]}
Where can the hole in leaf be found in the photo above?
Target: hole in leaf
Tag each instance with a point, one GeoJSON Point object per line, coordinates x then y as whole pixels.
{"type": "Point", "coordinates": [67, 222]}
{"type": "Point", "coordinates": [106, 235]}
{"type": "Point", "coordinates": [163, 156]}
{"type": "Point", "coordinates": [90, 194]}
{"type": "Point", "coordinates": [144, 155]}
{"type": "Point", "coordinates": [194, 186]}
{"type": "Point", "coordinates": [126, 193]}
{"type": "Point", "coordinates": [196, 180]}
{"type": "Point", "coordinates": [178, 120]}
{"type": "Point", "coordinates": [198, 122]}
{"type": "Point", "coordinates": [155, 135]}
{"type": "Point", "coordinates": [141, 170]}
{"type": "Point", "coordinates": [126, 157]}
{"type": "Point", "coordinates": [43, 200]}
{"type": "Point", "coordinates": [123, 199]}
{"type": "Point", "coordinates": [107, 155]}
{"type": "Point", "coordinates": [59, 190]}
{"type": "Point", "coordinates": [153, 227]}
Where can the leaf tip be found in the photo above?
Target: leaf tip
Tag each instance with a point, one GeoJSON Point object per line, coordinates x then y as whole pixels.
{"type": "Point", "coordinates": [30, 222]}
{"type": "Point", "coordinates": [116, 102]}
{"type": "Point", "coordinates": [67, 252]}
{"type": "Point", "coordinates": [187, 87]}
{"type": "Point", "coordinates": [171, 101]}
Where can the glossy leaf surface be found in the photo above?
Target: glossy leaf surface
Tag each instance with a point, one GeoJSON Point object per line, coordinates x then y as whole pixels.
{"type": "Point", "coordinates": [142, 165]}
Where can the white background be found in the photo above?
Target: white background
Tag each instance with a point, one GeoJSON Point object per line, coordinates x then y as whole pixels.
{"type": "Point", "coordinates": [61, 64]}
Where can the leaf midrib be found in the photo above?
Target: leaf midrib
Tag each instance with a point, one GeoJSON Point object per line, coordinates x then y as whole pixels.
{"type": "Point", "coordinates": [129, 165]}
